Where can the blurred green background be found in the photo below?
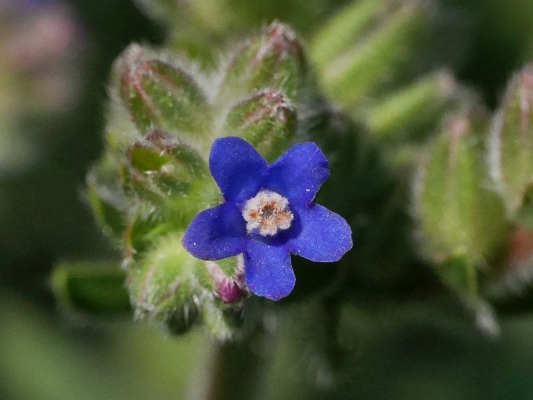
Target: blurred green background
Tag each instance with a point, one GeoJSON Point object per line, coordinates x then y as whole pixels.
{"type": "Point", "coordinates": [54, 64]}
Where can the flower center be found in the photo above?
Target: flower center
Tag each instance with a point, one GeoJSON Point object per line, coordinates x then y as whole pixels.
{"type": "Point", "coordinates": [267, 213]}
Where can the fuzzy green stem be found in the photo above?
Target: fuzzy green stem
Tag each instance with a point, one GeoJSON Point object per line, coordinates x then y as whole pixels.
{"type": "Point", "coordinates": [236, 370]}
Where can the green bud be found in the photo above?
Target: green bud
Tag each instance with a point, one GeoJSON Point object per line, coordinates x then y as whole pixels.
{"type": "Point", "coordinates": [166, 163]}
{"type": "Point", "coordinates": [403, 112]}
{"type": "Point", "coordinates": [273, 60]}
{"type": "Point", "coordinates": [379, 58]}
{"type": "Point", "coordinates": [511, 158]}
{"type": "Point", "coordinates": [458, 209]}
{"type": "Point", "coordinates": [91, 288]}
{"type": "Point", "coordinates": [158, 94]}
{"type": "Point", "coordinates": [168, 284]}
{"type": "Point", "coordinates": [168, 180]}
{"type": "Point", "coordinates": [346, 27]}
{"type": "Point", "coordinates": [267, 120]}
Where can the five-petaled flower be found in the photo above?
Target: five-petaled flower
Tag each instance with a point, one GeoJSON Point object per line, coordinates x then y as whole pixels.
{"type": "Point", "coordinates": [267, 214]}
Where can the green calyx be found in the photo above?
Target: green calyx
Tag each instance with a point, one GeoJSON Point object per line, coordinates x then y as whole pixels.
{"type": "Point", "coordinates": [154, 177]}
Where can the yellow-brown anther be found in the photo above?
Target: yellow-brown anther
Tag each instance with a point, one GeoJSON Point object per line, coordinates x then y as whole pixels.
{"type": "Point", "coordinates": [267, 213]}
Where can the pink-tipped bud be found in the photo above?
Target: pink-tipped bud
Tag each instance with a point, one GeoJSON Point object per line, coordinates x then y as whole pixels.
{"type": "Point", "coordinates": [267, 120]}
{"type": "Point", "coordinates": [161, 95]}
{"type": "Point", "coordinates": [272, 60]}
{"type": "Point", "coordinates": [229, 289]}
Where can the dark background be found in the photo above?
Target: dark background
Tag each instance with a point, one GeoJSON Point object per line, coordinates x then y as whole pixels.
{"type": "Point", "coordinates": [44, 220]}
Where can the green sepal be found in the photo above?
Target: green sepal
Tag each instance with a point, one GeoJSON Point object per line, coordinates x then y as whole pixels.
{"type": "Point", "coordinates": [155, 216]}
{"type": "Point", "coordinates": [107, 204]}
{"type": "Point", "coordinates": [512, 140]}
{"type": "Point", "coordinates": [91, 288]}
{"type": "Point", "coordinates": [458, 208]}
{"type": "Point", "coordinates": [267, 120]}
{"type": "Point", "coordinates": [135, 184]}
{"type": "Point", "coordinates": [161, 95]}
{"type": "Point", "coordinates": [222, 320]}
{"type": "Point", "coordinates": [182, 319]}
{"type": "Point", "coordinates": [273, 60]}
{"type": "Point", "coordinates": [163, 162]}
{"type": "Point", "coordinates": [146, 226]}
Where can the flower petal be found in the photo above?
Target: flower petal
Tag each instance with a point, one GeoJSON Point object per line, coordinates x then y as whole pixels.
{"type": "Point", "coordinates": [237, 167]}
{"type": "Point", "coordinates": [216, 233]}
{"type": "Point", "coordinates": [325, 235]}
{"type": "Point", "coordinates": [268, 270]}
{"type": "Point", "coordinates": [299, 173]}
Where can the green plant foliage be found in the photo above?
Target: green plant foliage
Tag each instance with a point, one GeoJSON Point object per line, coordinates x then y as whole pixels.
{"type": "Point", "coordinates": [434, 179]}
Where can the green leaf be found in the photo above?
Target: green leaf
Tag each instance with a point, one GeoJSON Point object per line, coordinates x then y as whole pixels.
{"type": "Point", "coordinates": [91, 288]}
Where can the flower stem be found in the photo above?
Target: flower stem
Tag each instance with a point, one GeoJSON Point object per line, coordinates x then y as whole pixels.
{"type": "Point", "coordinates": [235, 371]}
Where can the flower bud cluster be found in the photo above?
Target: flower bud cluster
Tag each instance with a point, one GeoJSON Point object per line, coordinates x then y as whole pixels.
{"type": "Point", "coordinates": [153, 178]}
{"type": "Point", "coordinates": [474, 199]}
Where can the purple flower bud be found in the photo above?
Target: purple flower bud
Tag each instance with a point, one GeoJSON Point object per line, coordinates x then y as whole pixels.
{"type": "Point", "coordinates": [229, 290]}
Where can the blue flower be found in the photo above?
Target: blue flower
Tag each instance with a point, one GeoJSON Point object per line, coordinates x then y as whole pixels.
{"type": "Point", "coordinates": [268, 214]}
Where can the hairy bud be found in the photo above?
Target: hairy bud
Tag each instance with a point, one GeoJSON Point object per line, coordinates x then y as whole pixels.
{"type": "Point", "coordinates": [272, 60]}
{"type": "Point", "coordinates": [267, 120]}
{"type": "Point", "coordinates": [158, 94]}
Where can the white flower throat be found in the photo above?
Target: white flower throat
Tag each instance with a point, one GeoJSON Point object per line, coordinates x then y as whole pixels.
{"type": "Point", "coordinates": [267, 213]}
